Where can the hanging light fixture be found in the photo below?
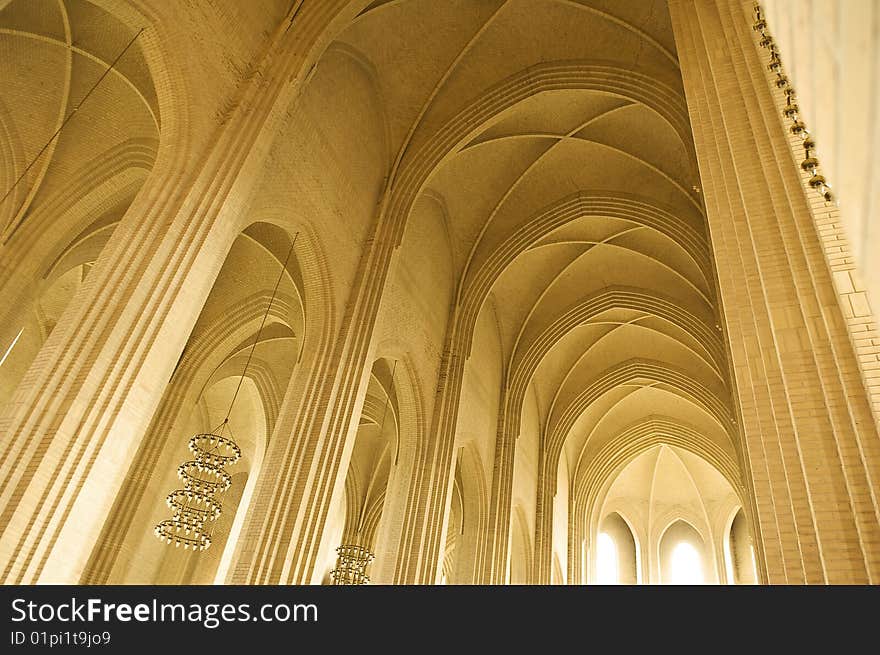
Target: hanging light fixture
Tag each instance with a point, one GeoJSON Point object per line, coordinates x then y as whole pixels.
{"type": "Point", "coordinates": [351, 569]}
{"type": "Point", "coordinates": [810, 164]}
{"type": "Point", "coordinates": [204, 476]}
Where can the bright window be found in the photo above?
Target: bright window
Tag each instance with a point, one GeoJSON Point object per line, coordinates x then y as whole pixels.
{"type": "Point", "coordinates": [606, 560]}
{"type": "Point", "coordinates": [686, 565]}
{"type": "Point", "coordinates": [11, 346]}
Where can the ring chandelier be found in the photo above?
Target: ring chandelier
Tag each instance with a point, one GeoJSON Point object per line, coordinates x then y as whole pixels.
{"type": "Point", "coordinates": [204, 476]}
{"type": "Point", "coordinates": [352, 565]}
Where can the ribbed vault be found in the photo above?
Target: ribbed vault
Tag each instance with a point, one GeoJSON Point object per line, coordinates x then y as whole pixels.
{"type": "Point", "coordinates": [500, 327]}
{"type": "Point", "coordinates": [566, 174]}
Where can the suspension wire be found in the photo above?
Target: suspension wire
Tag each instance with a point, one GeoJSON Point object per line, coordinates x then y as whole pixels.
{"type": "Point", "coordinates": [260, 330]}
{"type": "Point", "coordinates": [66, 119]}
{"type": "Point", "coordinates": [213, 526]}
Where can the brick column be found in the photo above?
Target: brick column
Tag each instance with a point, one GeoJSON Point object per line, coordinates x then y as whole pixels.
{"type": "Point", "coordinates": [809, 440]}
{"type": "Point", "coordinates": [500, 499]}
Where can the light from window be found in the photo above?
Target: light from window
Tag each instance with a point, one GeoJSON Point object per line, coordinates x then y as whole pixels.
{"type": "Point", "coordinates": [606, 560]}
{"type": "Point", "coordinates": [11, 346]}
{"type": "Point", "coordinates": [686, 566]}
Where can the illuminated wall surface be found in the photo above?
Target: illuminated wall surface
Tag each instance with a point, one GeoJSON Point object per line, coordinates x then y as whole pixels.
{"type": "Point", "coordinates": [831, 49]}
{"type": "Point", "coordinates": [498, 292]}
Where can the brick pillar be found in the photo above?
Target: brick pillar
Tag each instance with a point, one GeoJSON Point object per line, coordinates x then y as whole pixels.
{"type": "Point", "coordinates": [809, 441]}
{"type": "Point", "coordinates": [500, 499]}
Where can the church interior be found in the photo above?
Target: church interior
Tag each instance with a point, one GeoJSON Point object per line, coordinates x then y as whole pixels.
{"type": "Point", "coordinates": [464, 292]}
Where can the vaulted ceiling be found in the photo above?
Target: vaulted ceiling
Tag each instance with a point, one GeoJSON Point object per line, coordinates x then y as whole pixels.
{"type": "Point", "coordinates": [572, 203]}
{"type": "Point", "coordinates": [52, 55]}
{"type": "Point", "coordinates": [554, 134]}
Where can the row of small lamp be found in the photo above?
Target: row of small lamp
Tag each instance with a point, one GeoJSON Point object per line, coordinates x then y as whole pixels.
{"type": "Point", "coordinates": [810, 163]}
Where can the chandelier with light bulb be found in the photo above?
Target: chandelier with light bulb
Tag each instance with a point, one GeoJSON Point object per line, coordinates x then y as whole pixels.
{"type": "Point", "coordinates": [204, 476]}
{"type": "Point", "coordinates": [351, 568]}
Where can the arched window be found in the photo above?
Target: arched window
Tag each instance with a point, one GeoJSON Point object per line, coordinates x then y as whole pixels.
{"type": "Point", "coordinates": [616, 541]}
{"type": "Point", "coordinates": [686, 568]}
{"type": "Point", "coordinates": [683, 556]}
{"type": "Point", "coordinates": [607, 571]}
{"type": "Point", "coordinates": [11, 346]}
